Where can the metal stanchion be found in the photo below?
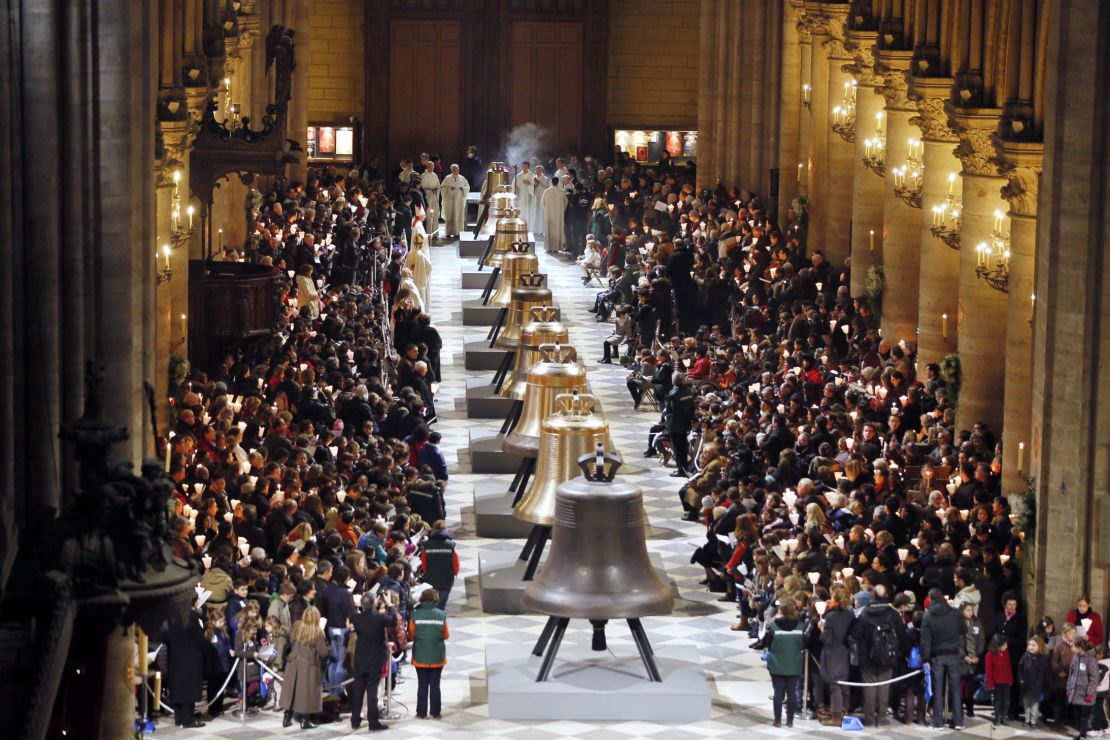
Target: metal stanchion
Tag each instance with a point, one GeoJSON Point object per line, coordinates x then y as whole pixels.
{"type": "Point", "coordinates": [243, 711]}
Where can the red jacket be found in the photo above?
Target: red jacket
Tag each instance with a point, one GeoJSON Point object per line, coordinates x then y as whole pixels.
{"type": "Point", "coordinates": [999, 672]}
{"type": "Point", "coordinates": [1094, 632]}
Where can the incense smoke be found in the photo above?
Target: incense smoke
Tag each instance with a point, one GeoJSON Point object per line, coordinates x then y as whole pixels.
{"type": "Point", "coordinates": [527, 141]}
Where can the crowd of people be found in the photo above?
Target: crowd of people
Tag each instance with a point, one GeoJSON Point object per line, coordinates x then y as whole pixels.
{"type": "Point", "coordinates": [864, 539]}
{"type": "Point", "coordinates": [308, 476]}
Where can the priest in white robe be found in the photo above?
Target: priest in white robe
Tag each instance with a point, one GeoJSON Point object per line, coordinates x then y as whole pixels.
{"type": "Point", "coordinates": [554, 204]}
{"type": "Point", "coordinates": [419, 263]}
{"type": "Point", "coordinates": [453, 191]}
{"type": "Point", "coordinates": [408, 285]}
{"type": "Point", "coordinates": [524, 186]}
{"type": "Point", "coordinates": [429, 185]}
{"type": "Point", "coordinates": [535, 218]}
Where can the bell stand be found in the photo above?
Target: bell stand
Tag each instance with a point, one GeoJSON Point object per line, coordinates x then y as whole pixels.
{"type": "Point", "coordinates": [552, 637]}
{"type": "Point", "coordinates": [487, 292]}
{"type": "Point", "coordinates": [503, 370]}
{"type": "Point", "coordinates": [533, 547]}
{"type": "Point", "coordinates": [489, 246]}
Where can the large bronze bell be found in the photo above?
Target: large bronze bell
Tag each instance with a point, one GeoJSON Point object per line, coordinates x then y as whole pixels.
{"type": "Point", "coordinates": [517, 261]}
{"type": "Point", "coordinates": [529, 290]}
{"type": "Point", "coordinates": [572, 431]}
{"type": "Point", "coordinates": [598, 567]}
{"type": "Point", "coordinates": [556, 373]}
{"type": "Point", "coordinates": [544, 328]}
{"type": "Point", "coordinates": [502, 203]}
{"type": "Point", "coordinates": [509, 230]}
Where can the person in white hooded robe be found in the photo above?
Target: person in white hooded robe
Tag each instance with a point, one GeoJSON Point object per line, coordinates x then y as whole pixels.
{"type": "Point", "coordinates": [524, 186]}
{"type": "Point", "coordinates": [554, 204]}
{"type": "Point", "coordinates": [409, 284]}
{"type": "Point", "coordinates": [429, 185]}
{"type": "Point", "coordinates": [419, 264]}
{"type": "Point", "coordinates": [535, 218]}
{"type": "Point", "coordinates": [453, 191]}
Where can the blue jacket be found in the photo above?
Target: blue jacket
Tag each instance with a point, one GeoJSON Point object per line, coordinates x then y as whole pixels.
{"type": "Point", "coordinates": [432, 456]}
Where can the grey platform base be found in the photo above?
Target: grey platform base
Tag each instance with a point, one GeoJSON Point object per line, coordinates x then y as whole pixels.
{"type": "Point", "coordinates": [483, 403]}
{"type": "Point", "coordinates": [473, 246]}
{"type": "Point", "coordinates": [475, 313]}
{"type": "Point", "coordinates": [493, 512]}
{"type": "Point", "coordinates": [474, 280]}
{"type": "Point", "coordinates": [501, 574]}
{"type": "Point", "coordinates": [479, 356]}
{"type": "Point", "coordinates": [486, 455]}
{"type": "Point", "coordinates": [586, 685]}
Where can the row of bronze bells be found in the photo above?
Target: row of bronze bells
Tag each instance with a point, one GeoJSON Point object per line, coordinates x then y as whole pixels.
{"type": "Point", "coordinates": [556, 373]}
{"type": "Point", "coordinates": [519, 260]}
{"type": "Point", "coordinates": [544, 328]}
{"type": "Point", "coordinates": [598, 568]}
{"type": "Point", "coordinates": [529, 291]}
{"type": "Point", "coordinates": [510, 228]}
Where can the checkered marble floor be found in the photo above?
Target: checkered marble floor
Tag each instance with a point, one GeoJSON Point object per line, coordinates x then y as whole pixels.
{"type": "Point", "coordinates": [738, 679]}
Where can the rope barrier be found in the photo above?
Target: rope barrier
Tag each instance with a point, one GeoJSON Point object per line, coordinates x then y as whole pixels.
{"type": "Point", "coordinates": [281, 678]}
{"type": "Point", "coordinates": [896, 679]}
{"type": "Point", "coordinates": [224, 687]}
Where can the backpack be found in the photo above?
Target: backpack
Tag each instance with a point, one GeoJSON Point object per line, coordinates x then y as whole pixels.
{"type": "Point", "coordinates": [882, 648]}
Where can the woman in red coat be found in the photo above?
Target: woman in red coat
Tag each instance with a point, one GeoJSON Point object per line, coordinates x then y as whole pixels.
{"type": "Point", "coordinates": [1083, 611]}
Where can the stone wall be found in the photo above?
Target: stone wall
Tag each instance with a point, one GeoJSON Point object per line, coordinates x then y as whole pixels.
{"type": "Point", "coordinates": [653, 63]}
{"type": "Point", "coordinates": [336, 64]}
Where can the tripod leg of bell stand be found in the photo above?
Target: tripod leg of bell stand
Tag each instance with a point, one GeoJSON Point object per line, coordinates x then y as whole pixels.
{"type": "Point", "coordinates": [503, 370]}
{"type": "Point", "coordinates": [492, 281]}
{"type": "Point", "coordinates": [525, 472]}
{"type": "Point", "coordinates": [512, 417]}
{"type": "Point", "coordinates": [644, 647]}
{"type": "Point", "coordinates": [545, 636]}
{"type": "Point", "coordinates": [530, 543]}
{"type": "Point", "coordinates": [537, 553]}
{"type": "Point", "coordinates": [486, 251]}
{"type": "Point", "coordinates": [552, 649]}
{"type": "Point", "coordinates": [497, 325]}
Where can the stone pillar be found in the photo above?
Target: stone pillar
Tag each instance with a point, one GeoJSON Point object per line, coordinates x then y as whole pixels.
{"type": "Point", "coordinates": [940, 264]}
{"type": "Point", "coordinates": [790, 106]}
{"type": "Point", "coordinates": [901, 222]}
{"type": "Point", "coordinates": [867, 186]}
{"type": "Point", "coordinates": [839, 153]}
{"type": "Point", "coordinates": [982, 309]}
{"type": "Point", "coordinates": [803, 165]}
{"type": "Point", "coordinates": [707, 71]}
{"type": "Point", "coordinates": [818, 127]}
{"type": "Point", "coordinates": [298, 106]}
{"type": "Point", "coordinates": [1022, 164]}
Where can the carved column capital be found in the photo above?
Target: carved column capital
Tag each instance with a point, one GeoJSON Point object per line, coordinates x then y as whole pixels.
{"type": "Point", "coordinates": [1021, 164]}
{"type": "Point", "coordinates": [862, 68]}
{"type": "Point", "coordinates": [933, 121]}
{"type": "Point", "coordinates": [894, 88]}
{"type": "Point", "coordinates": [976, 152]}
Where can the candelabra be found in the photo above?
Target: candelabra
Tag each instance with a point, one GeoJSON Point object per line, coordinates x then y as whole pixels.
{"type": "Point", "coordinates": [909, 179]}
{"type": "Point", "coordinates": [844, 115]}
{"type": "Point", "coordinates": [993, 259]}
{"type": "Point", "coordinates": [874, 154]}
{"type": "Point", "coordinates": [181, 230]}
{"type": "Point", "coordinates": [946, 217]}
{"type": "Point", "coordinates": [807, 93]}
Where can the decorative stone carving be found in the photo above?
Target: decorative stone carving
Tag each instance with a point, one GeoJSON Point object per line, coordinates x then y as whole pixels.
{"type": "Point", "coordinates": [1023, 180]}
{"type": "Point", "coordinates": [837, 48]}
{"type": "Point", "coordinates": [933, 121]}
{"type": "Point", "coordinates": [894, 88]}
{"type": "Point", "coordinates": [977, 153]}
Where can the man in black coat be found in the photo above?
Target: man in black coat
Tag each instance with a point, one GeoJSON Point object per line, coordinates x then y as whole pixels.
{"type": "Point", "coordinates": [185, 645]}
{"type": "Point", "coordinates": [944, 647]}
{"type": "Point", "coordinates": [881, 635]}
{"type": "Point", "coordinates": [371, 653]}
{"type": "Point", "coordinates": [680, 419]}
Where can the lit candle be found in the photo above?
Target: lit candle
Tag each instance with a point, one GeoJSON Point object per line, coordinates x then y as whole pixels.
{"type": "Point", "coordinates": [158, 691]}
{"type": "Point", "coordinates": [799, 172]}
{"type": "Point", "coordinates": [144, 645]}
{"type": "Point", "coordinates": [1021, 457]}
{"type": "Point", "coordinates": [951, 182]}
{"type": "Point", "coordinates": [190, 211]}
{"type": "Point", "coordinates": [221, 238]}
{"type": "Point", "coordinates": [166, 254]}
{"type": "Point", "coordinates": [183, 327]}
{"type": "Point", "coordinates": [168, 451]}
{"type": "Point", "coordinates": [944, 326]}
{"type": "Point", "coordinates": [871, 240]}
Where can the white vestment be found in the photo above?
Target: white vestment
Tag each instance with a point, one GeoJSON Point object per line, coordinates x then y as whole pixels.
{"type": "Point", "coordinates": [413, 289]}
{"type": "Point", "coordinates": [554, 204]}
{"type": "Point", "coordinates": [420, 263]}
{"type": "Point", "coordinates": [524, 186]}
{"type": "Point", "coordinates": [453, 191]}
{"type": "Point", "coordinates": [535, 218]}
{"type": "Point", "coordinates": [429, 184]}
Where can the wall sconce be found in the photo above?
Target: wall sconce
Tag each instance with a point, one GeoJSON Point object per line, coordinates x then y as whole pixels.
{"type": "Point", "coordinates": [844, 115]}
{"type": "Point", "coordinates": [807, 93]}
{"type": "Point", "coordinates": [909, 179]}
{"type": "Point", "coordinates": [874, 155]}
{"type": "Point", "coordinates": [946, 217]}
{"type": "Point", "coordinates": [993, 259]}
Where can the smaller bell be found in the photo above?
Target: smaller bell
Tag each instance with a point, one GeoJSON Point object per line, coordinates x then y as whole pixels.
{"type": "Point", "coordinates": [517, 261]}
{"type": "Point", "coordinates": [529, 291]}
{"type": "Point", "coordinates": [544, 328]}
{"type": "Point", "coordinates": [557, 372]}
{"type": "Point", "coordinates": [508, 229]}
{"type": "Point", "coordinates": [502, 202]}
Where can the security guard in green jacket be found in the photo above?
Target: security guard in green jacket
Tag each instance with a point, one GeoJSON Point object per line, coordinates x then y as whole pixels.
{"type": "Point", "coordinates": [428, 631]}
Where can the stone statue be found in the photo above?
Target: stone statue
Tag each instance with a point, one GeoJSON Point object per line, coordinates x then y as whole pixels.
{"type": "Point", "coordinates": [280, 54]}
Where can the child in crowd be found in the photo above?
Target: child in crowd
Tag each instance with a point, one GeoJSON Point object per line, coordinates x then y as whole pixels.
{"type": "Point", "coordinates": [1083, 683]}
{"type": "Point", "coordinates": [1099, 724]}
{"type": "Point", "coordinates": [277, 648]}
{"type": "Point", "coordinates": [217, 659]}
{"type": "Point", "coordinates": [1000, 677]}
{"type": "Point", "coordinates": [247, 647]}
{"type": "Point", "coordinates": [1034, 676]}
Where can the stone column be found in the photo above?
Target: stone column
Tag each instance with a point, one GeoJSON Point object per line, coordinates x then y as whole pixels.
{"type": "Point", "coordinates": [298, 106]}
{"type": "Point", "coordinates": [790, 106]}
{"type": "Point", "coordinates": [982, 309]}
{"type": "Point", "coordinates": [839, 153]}
{"type": "Point", "coordinates": [803, 165]}
{"type": "Point", "coordinates": [818, 126]}
{"type": "Point", "coordinates": [1022, 164]}
{"type": "Point", "coordinates": [940, 264]}
{"type": "Point", "coordinates": [867, 186]}
{"type": "Point", "coordinates": [901, 222]}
